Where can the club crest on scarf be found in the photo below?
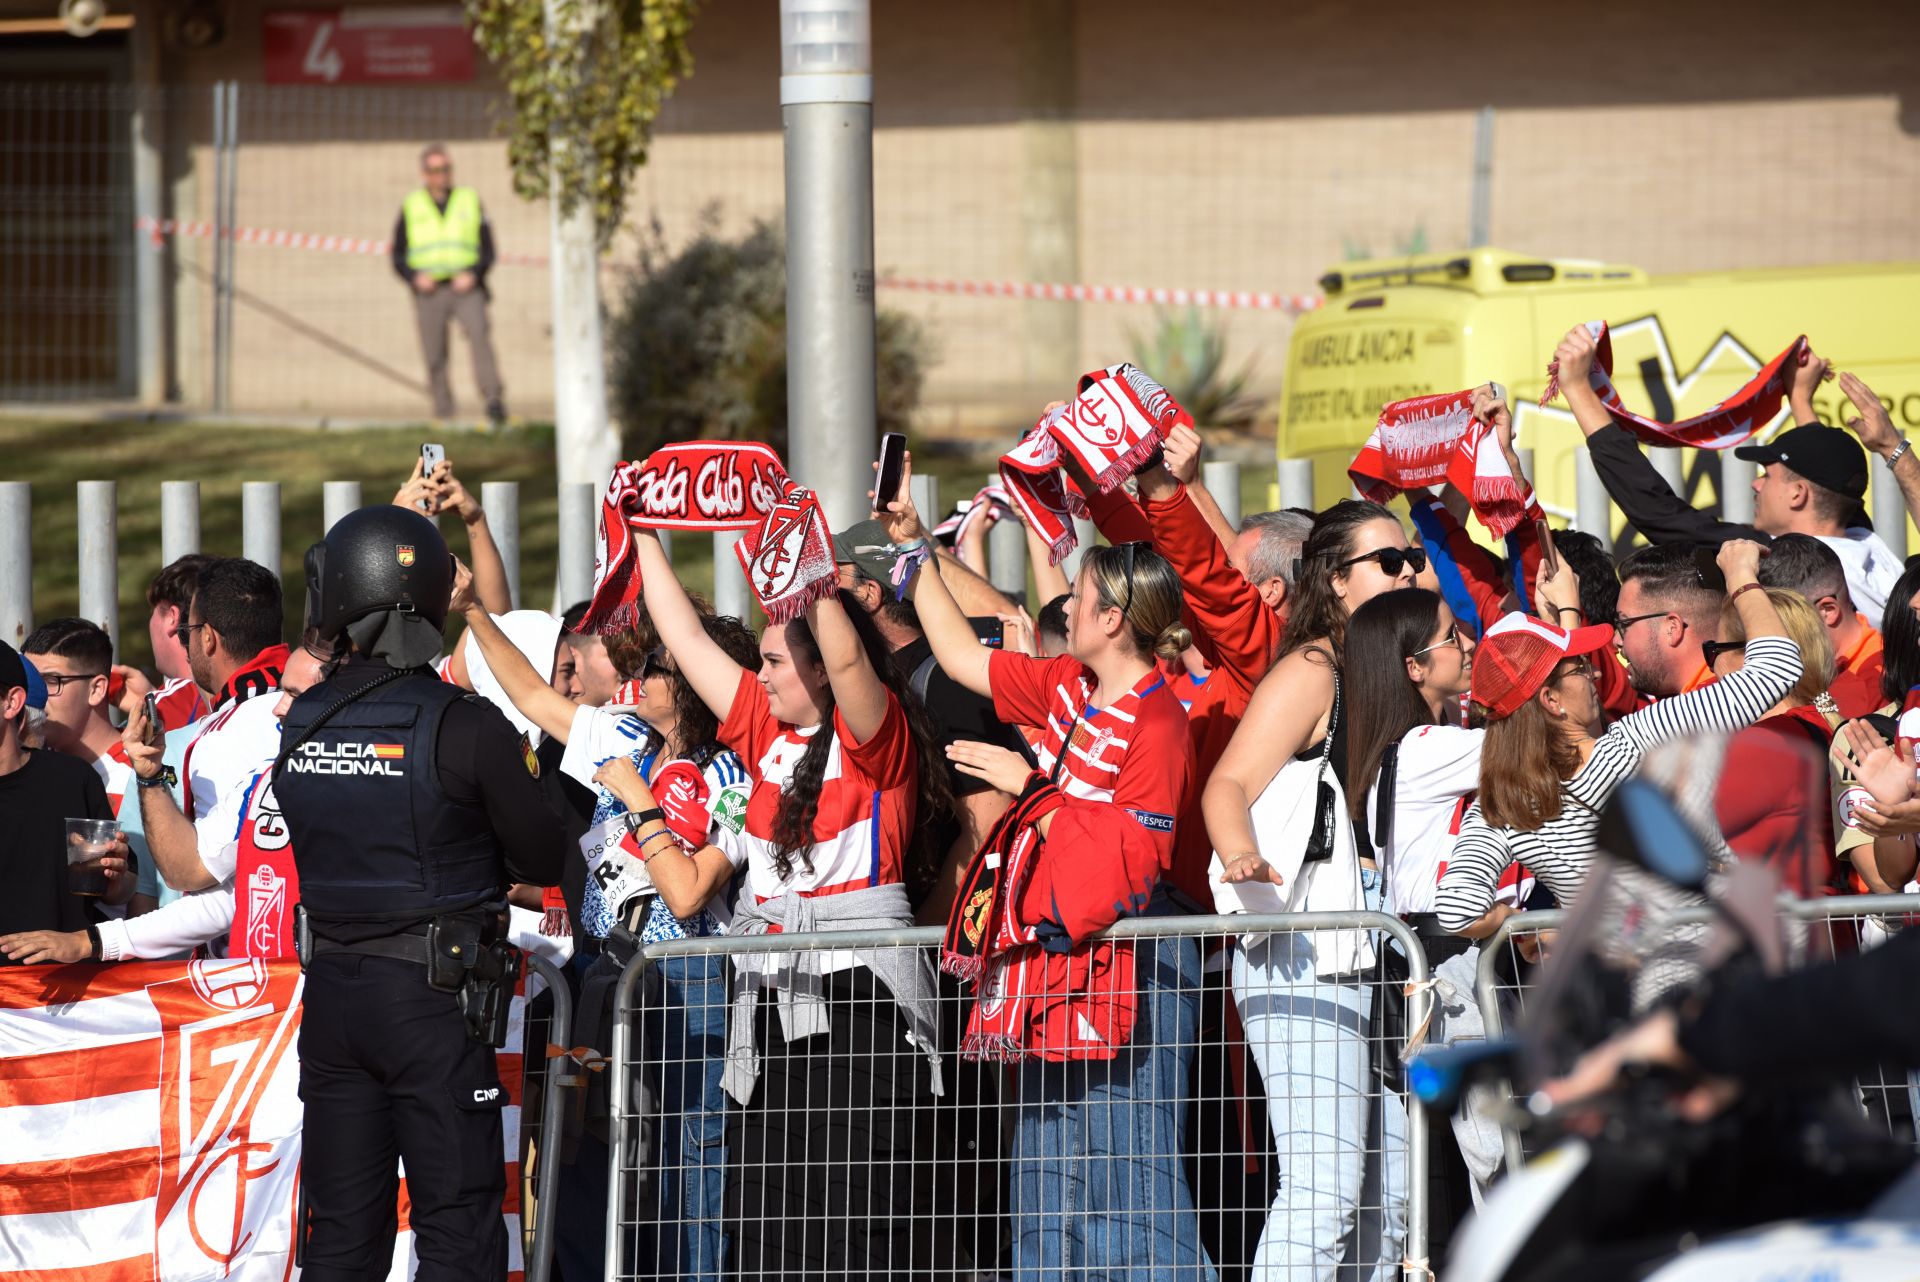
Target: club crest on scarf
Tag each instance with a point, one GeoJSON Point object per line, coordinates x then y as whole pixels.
{"type": "Point", "coordinates": [690, 485]}
{"type": "Point", "coordinates": [788, 559]}
{"type": "Point", "coordinates": [1425, 440]}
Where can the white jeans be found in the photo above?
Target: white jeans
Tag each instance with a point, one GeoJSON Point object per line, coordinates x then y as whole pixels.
{"type": "Point", "coordinates": [1309, 1039]}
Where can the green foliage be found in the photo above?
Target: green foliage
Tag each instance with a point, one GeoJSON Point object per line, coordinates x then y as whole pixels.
{"type": "Point", "coordinates": [698, 344]}
{"type": "Point", "coordinates": [594, 83]}
{"type": "Point", "coordinates": [1188, 357]}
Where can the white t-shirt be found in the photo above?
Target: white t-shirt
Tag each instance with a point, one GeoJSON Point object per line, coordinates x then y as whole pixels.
{"type": "Point", "coordinates": [234, 745]}
{"type": "Point", "coordinates": [1437, 774]}
{"type": "Point", "coordinates": [597, 736]}
{"type": "Point", "coordinates": [1872, 569]}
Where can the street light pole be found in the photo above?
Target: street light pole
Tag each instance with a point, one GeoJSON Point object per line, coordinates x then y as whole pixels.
{"type": "Point", "coordinates": [826, 112]}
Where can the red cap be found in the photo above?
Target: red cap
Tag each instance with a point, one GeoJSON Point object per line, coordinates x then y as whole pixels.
{"type": "Point", "coordinates": [1517, 655]}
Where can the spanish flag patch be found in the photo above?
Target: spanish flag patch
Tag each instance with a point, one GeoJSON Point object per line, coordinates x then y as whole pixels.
{"type": "Point", "coordinates": [390, 751]}
{"type": "Point", "coordinates": [527, 756]}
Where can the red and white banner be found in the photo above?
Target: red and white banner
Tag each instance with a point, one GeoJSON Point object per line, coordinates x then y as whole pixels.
{"type": "Point", "coordinates": [150, 1123]}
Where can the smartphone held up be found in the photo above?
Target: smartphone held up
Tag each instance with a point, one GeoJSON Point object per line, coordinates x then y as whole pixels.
{"type": "Point", "coordinates": [890, 470]}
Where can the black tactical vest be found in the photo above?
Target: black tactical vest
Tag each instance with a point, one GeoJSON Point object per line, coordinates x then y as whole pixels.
{"type": "Point", "coordinates": [374, 837]}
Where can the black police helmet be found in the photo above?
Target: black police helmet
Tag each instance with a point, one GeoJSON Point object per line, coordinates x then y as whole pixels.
{"type": "Point", "coordinates": [380, 558]}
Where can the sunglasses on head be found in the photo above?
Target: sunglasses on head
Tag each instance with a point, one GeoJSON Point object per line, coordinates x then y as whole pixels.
{"type": "Point", "coordinates": [1132, 550]}
{"type": "Point", "coordinates": [1392, 560]}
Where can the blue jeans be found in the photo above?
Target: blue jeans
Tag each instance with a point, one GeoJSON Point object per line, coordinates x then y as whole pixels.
{"type": "Point", "coordinates": [685, 1035]}
{"type": "Point", "coordinates": [1099, 1189]}
{"type": "Point", "coordinates": [1308, 1037]}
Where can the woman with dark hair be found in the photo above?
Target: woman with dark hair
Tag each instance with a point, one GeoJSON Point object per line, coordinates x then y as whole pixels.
{"type": "Point", "coordinates": [1103, 1034]}
{"type": "Point", "coordinates": [689, 787]}
{"type": "Point", "coordinates": [1882, 862]}
{"type": "Point", "coordinates": [1546, 774]}
{"type": "Point", "coordinates": [1303, 997]}
{"type": "Point", "coordinates": [830, 1054]}
{"type": "Point", "coordinates": [1900, 630]}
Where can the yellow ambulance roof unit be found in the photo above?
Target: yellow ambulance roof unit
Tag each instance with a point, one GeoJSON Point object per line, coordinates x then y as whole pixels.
{"type": "Point", "coordinates": [1393, 328]}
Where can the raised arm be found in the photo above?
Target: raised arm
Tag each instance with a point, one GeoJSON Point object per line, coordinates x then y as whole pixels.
{"type": "Point", "coordinates": [858, 692]}
{"type": "Point", "coordinates": [959, 651]}
{"type": "Point", "coordinates": [1182, 457]}
{"type": "Point", "coordinates": [530, 692]}
{"type": "Point", "coordinates": [975, 594]}
{"type": "Point", "coordinates": [711, 672]}
{"type": "Point", "coordinates": [1287, 707]}
{"type": "Point", "coordinates": [489, 569]}
{"type": "Point", "coordinates": [1876, 431]}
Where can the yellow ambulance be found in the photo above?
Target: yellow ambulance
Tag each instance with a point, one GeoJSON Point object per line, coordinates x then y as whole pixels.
{"type": "Point", "coordinates": [1393, 328]}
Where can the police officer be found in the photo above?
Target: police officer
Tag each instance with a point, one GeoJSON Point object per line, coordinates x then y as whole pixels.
{"type": "Point", "coordinates": [442, 248]}
{"type": "Point", "coordinates": [412, 808]}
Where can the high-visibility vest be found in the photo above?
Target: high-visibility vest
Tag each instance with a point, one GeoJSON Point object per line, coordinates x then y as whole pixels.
{"type": "Point", "coordinates": [441, 244]}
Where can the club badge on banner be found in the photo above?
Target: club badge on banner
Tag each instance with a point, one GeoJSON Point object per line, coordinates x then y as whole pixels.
{"type": "Point", "coordinates": [151, 1121]}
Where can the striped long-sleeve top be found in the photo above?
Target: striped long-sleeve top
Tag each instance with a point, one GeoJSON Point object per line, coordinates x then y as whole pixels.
{"type": "Point", "coordinates": [1560, 851]}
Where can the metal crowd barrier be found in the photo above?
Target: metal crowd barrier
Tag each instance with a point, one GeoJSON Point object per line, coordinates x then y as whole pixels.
{"type": "Point", "coordinates": [548, 1077]}
{"type": "Point", "coordinates": [1158, 1162]}
{"type": "Point", "coordinates": [1837, 925]}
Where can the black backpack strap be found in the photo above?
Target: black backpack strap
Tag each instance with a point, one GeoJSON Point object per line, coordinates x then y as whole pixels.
{"type": "Point", "coordinates": [1383, 803]}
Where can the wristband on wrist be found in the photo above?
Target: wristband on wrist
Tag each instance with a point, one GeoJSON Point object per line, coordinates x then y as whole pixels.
{"type": "Point", "coordinates": [1904, 448]}
{"type": "Point", "coordinates": [1746, 587]}
{"type": "Point", "coordinates": [1559, 610]}
{"type": "Point", "coordinates": [95, 947]}
{"type": "Point", "coordinates": [638, 819]}
{"type": "Point", "coordinates": [164, 779]}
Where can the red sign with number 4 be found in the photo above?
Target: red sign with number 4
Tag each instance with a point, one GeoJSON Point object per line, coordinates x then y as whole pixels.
{"type": "Point", "coordinates": [415, 44]}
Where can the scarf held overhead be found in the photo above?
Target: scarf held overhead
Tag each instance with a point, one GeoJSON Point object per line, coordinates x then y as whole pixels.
{"type": "Point", "coordinates": [692, 485]}
{"type": "Point", "coordinates": [1732, 421]}
{"type": "Point", "coordinates": [1114, 423]}
{"type": "Point", "coordinates": [1424, 440]}
{"type": "Point", "coordinates": [788, 557]}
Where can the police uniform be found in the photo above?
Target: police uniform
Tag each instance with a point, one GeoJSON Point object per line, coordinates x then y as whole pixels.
{"type": "Point", "coordinates": [411, 808]}
{"type": "Point", "coordinates": [443, 241]}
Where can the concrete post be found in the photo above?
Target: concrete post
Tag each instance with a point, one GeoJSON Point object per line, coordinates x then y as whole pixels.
{"type": "Point", "coordinates": [826, 111]}
{"type": "Point", "coordinates": [1526, 462]}
{"type": "Point", "coordinates": [1296, 483]}
{"type": "Point", "coordinates": [1222, 480]}
{"type": "Point", "coordinates": [148, 126]}
{"type": "Point", "coordinates": [1049, 189]}
{"type": "Point", "coordinates": [337, 498]}
{"type": "Point", "coordinates": [1736, 488]}
{"type": "Point", "coordinates": [925, 490]}
{"type": "Point", "coordinates": [1007, 557]}
{"type": "Point", "coordinates": [501, 502]}
{"type": "Point", "coordinates": [1889, 507]}
{"type": "Point", "coordinates": [1480, 217]}
{"type": "Point", "coordinates": [16, 561]}
{"type": "Point", "coordinates": [99, 515]}
{"type": "Point", "coordinates": [730, 595]}
{"type": "Point", "coordinates": [1593, 507]}
{"type": "Point", "coordinates": [179, 520]}
{"type": "Point", "coordinates": [1088, 535]}
{"type": "Point", "coordinates": [579, 515]}
{"type": "Point", "coordinates": [260, 524]}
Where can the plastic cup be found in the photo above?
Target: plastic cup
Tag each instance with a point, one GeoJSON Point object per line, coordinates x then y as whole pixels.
{"type": "Point", "coordinates": [88, 842]}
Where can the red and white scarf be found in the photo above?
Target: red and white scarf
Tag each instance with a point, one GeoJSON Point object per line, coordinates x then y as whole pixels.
{"type": "Point", "coordinates": [990, 505]}
{"type": "Point", "coordinates": [1425, 440]}
{"type": "Point", "coordinates": [788, 557]}
{"type": "Point", "coordinates": [1114, 423]}
{"type": "Point", "coordinates": [692, 485]}
{"type": "Point", "coordinates": [1732, 421]}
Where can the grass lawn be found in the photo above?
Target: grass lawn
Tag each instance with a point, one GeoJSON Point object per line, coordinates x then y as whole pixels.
{"type": "Point", "coordinates": [53, 455]}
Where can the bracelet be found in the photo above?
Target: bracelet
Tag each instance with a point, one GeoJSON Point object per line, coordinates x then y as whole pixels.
{"type": "Point", "coordinates": [1735, 594]}
{"type": "Point", "coordinates": [1559, 610]}
{"type": "Point", "coordinates": [646, 855]}
{"type": "Point", "coordinates": [95, 947]}
{"type": "Point", "coordinates": [638, 819]}
{"type": "Point", "coordinates": [164, 779]}
{"type": "Point", "coordinates": [1905, 447]}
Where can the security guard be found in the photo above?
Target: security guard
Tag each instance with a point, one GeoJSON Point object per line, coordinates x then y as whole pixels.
{"type": "Point", "coordinates": [412, 808]}
{"type": "Point", "coordinates": [442, 248]}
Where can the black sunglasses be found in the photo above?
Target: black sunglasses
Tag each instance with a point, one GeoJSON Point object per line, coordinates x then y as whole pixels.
{"type": "Point", "coordinates": [1712, 650]}
{"type": "Point", "coordinates": [1392, 560]}
{"type": "Point", "coordinates": [1131, 549]}
{"type": "Point", "coordinates": [655, 664]}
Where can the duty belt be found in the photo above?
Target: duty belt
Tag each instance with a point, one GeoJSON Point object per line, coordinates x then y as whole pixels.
{"type": "Point", "coordinates": [406, 948]}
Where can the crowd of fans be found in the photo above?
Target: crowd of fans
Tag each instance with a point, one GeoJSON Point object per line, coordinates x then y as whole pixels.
{"type": "Point", "coordinates": [1311, 712]}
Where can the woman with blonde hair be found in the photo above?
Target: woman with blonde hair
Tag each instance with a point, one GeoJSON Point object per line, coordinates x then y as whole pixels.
{"type": "Point", "coordinates": [1103, 1034]}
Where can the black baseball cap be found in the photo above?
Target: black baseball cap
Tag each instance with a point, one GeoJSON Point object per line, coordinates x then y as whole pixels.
{"type": "Point", "coordinates": [13, 669]}
{"type": "Point", "coordinates": [1827, 456]}
{"type": "Point", "coordinates": [865, 546]}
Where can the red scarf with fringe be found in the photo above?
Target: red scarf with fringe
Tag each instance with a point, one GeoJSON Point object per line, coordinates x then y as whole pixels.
{"type": "Point", "coordinates": [1425, 440]}
{"type": "Point", "coordinates": [691, 485]}
{"type": "Point", "coordinates": [788, 557]}
{"type": "Point", "coordinates": [1114, 423]}
{"type": "Point", "coordinates": [1732, 421]}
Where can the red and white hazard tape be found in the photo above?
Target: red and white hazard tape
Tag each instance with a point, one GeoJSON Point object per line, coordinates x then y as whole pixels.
{"type": "Point", "coordinates": [1254, 300]}
{"type": "Point", "coordinates": [158, 230]}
